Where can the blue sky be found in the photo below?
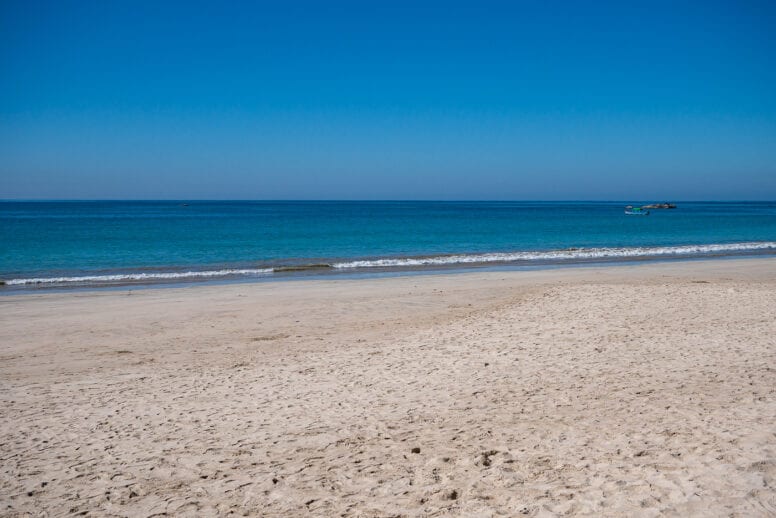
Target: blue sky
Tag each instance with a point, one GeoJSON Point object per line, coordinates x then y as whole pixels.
{"type": "Point", "coordinates": [388, 100]}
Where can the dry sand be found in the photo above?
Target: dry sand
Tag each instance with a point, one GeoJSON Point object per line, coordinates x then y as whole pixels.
{"type": "Point", "coordinates": [621, 391]}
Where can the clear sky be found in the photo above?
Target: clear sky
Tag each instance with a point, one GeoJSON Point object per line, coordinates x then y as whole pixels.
{"type": "Point", "coordinates": [388, 100]}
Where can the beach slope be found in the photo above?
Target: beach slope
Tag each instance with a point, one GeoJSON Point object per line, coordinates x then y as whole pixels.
{"type": "Point", "coordinates": [606, 391]}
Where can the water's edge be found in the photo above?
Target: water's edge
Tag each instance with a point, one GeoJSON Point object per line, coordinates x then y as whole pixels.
{"type": "Point", "coordinates": [393, 265]}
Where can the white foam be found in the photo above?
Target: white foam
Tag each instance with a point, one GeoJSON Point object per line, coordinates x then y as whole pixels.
{"type": "Point", "coordinates": [505, 257]}
{"type": "Point", "coordinates": [567, 254]}
{"type": "Point", "coordinates": [124, 277]}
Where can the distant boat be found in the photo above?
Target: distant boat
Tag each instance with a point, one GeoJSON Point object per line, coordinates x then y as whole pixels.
{"type": "Point", "coordinates": [636, 211]}
{"type": "Point", "coordinates": [663, 205]}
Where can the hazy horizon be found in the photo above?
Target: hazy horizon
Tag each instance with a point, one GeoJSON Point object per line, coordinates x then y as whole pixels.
{"type": "Point", "coordinates": [355, 200]}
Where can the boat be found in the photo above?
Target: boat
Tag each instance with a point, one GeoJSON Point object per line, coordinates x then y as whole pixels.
{"type": "Point", "coordinates": [636, 211]}
{"type": "Point", "coordinates": [664, 205]}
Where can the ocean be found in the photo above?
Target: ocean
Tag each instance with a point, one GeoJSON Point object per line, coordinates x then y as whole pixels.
{"type": "Point", "coordinates": [98, 243]}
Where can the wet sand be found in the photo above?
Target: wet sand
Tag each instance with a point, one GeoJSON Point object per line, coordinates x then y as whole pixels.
{"type": "Point", "coordinates": [638, 390]}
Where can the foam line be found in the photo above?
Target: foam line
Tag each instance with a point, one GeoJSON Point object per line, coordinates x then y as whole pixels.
{"type": "Point", "coordinates": [567, 254]}
{"type": "Point", "coordinates": [123, 277]}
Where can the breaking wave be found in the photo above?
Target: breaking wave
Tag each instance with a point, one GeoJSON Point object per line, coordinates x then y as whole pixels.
{"type": "Point", "coordinates": [555, 255]}
{"type": "Point", "coordinates": [128, 277]}
{"type": "Point", "coordinates": [568, 254]}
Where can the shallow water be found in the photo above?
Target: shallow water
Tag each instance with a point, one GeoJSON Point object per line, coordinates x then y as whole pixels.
{"type": "Point", "coordinates": [82, 243]}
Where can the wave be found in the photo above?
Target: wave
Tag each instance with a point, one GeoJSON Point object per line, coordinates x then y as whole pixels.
{"type": "Point", "coordinates": [568, 254]}
{"type": "Point", "coordinates": [301, 267]}
{"type": "Point", "coordinates": [555, 255]}
{"type": "Point", "coordinates": [126, 277]}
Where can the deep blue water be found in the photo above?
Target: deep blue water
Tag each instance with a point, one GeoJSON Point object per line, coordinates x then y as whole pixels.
{"type": "Point", "coordinates": [71, 239]}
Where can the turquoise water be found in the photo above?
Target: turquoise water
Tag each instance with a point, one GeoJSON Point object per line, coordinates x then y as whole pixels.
{"type": "Point", "coordinates": [63, 243]}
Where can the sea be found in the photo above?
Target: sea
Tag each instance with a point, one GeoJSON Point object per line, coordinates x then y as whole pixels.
{"type": "Point", "coordinates": [77, 244]}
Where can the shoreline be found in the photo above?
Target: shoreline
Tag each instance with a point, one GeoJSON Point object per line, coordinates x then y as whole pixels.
{"type": "Point", "coordinates": [238, 275]}
{"type": "Point", "coordinates": [736, 266]}
{"type": "Point", "coordinates": [639, 389]}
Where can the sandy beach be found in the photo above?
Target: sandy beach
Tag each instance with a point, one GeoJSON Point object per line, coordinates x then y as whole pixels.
{"type": "Point", "coordinates": [637, 390]}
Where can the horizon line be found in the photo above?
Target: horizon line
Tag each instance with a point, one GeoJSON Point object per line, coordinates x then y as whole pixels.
{"type": "Point", "coordinates": [387, 200]}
